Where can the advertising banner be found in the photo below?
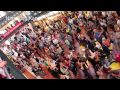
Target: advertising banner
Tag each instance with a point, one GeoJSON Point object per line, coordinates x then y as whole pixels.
{"type": "Point", "coordinates": [11, 30]}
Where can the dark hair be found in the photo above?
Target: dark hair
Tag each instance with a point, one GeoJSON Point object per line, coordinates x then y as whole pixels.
{"type": "Point", "coordinates": [96, 49]}
{"type": "Point", "coordinates": [19, 54]}
{"type": "Point", "coordinates": [83, 59]}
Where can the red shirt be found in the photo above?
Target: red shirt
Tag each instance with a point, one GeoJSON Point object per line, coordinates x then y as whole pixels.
{"type": "Point", "coordinates": [67, 63]}
{"type": "Point", "coordinates": [117, 57]}
{"type": "Point", "coordinates": [107, 42]}
{"type": "Point", "coordinates": [15, 46]}
{"type": "Point", "coordinates": [65, 19]}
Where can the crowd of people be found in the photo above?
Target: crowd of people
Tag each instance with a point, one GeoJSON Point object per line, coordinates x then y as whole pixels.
{"type": "Point", "coordinates": [81, 45]}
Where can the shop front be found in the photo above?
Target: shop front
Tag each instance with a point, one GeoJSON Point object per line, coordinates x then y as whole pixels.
{"type": "Point", "coordinates": [10, 46]}
{"type": "Point", "coordinates": [48, 18]}
{"type": "Point", "coordinates": [11, 43]}
{"type": "Point", "coordinates": [8, 34]}
{"type": "Point", "coordinates": [12, 26]}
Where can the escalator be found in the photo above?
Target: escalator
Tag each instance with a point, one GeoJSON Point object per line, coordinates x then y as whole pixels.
{"type": "Point", "coordinates": [14, 71]}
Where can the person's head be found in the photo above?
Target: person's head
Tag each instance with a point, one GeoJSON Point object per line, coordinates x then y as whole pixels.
{"type": "Point", "coordinates": [99, 28]}
{"type": "Point", "coordinates": [96, 49]}
{"type": "Point", "coordinates": [61, 63]}
{"type": "Point", "coordinates": [60, 76]}
{"type": "Point", "coordinates": [117, 28]}
{"type": "Point", "coordinates": [83, 49]}
{"type": "Point", "coordinates": [78, 57]}
{"type": "Point", "coordinates": [32, 54]}
{"type": "Point", "coordinates": [87, 50]}
{"type": "Point", "coordinates": [98, 73]}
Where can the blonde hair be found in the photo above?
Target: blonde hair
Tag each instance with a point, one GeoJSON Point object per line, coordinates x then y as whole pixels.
{"type": "Point", "coordinates": [117, 28]}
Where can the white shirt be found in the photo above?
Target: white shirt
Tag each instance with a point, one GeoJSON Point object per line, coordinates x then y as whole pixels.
{"type": "Point", "coordinates": [67, 42]}
{"type": "Point", "coordinates": [39, 31]}
{"type": "Point", "coordinates": [43, 39]}
{"type": "Point", "coordinates": [118, 22]}
{"type": "Point", "coordinates": [15, 53]}
{"type": "Point", "coordinates": [55, 41]}
{"type": "Point", "coordinates": [104, 13]}
{"type": "Point", "coordinates": [70, 21]}
{"type": "Point", "coordinates": [3, 31]}
{"type": "Point", "coordinates": [5, 49]}
{"type": "Point", "coordinates": [59, 50]}
{"type": "Point", "coordinates": [38, 77]}
{"type": "Point", "coordinates": [80, 14]}
{"type": "Point", "coordinates": [102, 24]}
{"type": "Point", "coordinates": [2, 72]}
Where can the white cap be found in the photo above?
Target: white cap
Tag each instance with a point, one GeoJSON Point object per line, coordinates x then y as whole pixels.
{"type": "Point", "coordinates": [103, 39]}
